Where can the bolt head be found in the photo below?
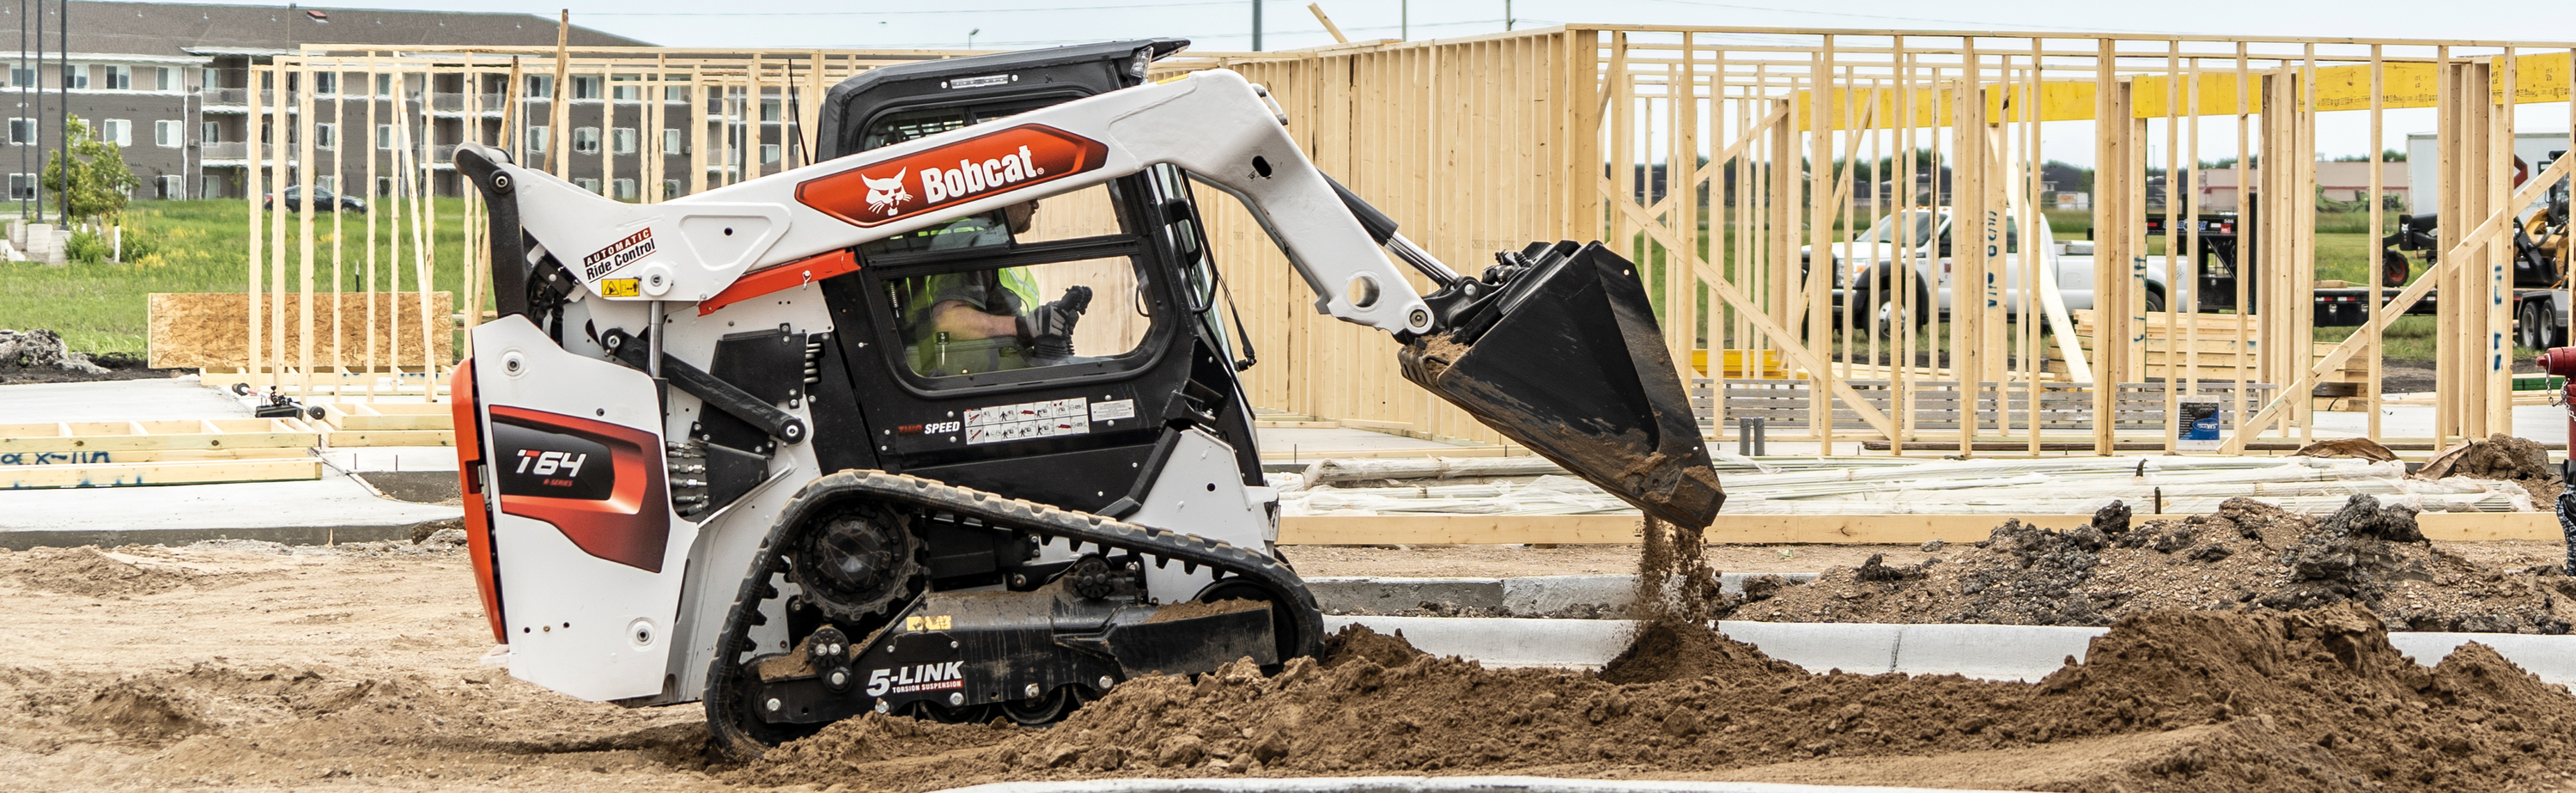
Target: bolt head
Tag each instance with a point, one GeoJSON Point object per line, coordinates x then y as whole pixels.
{"type": "Point", "coordinates": [773, 704]}
{"type": "Point", "coordinates": [1032, 690]}
{"type": "Point", "coordinates": [881, 706]}
{"type": "Point", "coordinates": [955, 700]}
{"type": "Point", "coordinates": [1105, 682]}
{"type": "Point", "coordinates": [840, 678]}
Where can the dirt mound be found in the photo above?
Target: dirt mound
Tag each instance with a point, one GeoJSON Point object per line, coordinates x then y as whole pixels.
{"type": "Point", "coordinates": [135, 711]}
{"type": "Point", "coordinates": [2501, 456]}
{"type": "Point", "coordinates": [2315, 700]}
{"type": "Point", "coordinates": [2247, 555]}
{"type": "Point", "coordinates": [87, 572]}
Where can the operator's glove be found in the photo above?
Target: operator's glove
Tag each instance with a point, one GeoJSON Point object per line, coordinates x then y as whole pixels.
{"type": "Point", "coordinates": [1048, 329]}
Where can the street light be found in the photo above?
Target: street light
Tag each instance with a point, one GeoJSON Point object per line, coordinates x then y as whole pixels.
{"type": "Point", "coordinates": [970, 37]}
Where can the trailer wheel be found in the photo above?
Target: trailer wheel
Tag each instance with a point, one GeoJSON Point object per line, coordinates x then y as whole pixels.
{"type": "Point", "coordinates": [2531, 326]}
{"type": "Point", "coordinates": [2393, 268]}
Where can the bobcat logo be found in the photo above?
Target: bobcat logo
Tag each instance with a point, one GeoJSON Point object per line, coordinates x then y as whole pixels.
{"type": "Point", "coordinates": [884, 194]}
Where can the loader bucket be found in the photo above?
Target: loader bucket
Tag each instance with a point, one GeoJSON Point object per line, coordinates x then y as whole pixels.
{"type": "Point", "coordinates": [1567, 360]}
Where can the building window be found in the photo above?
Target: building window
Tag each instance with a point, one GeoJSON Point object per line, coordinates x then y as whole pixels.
{"type": "Point", "coordinates": [23, 130]}
{"type": "Point", "coordinates": [623, 140]}
{"type": "Point", "coordinates": [326, 136]}
{"type": "Point", "coordinates": [172, 187]}
{"type": "Point", "coordinates": [384, 186]}
{"type": "Point", "coordinates": [210, 186]}
{"type": "Point", "coordinates": [672, 144]}
{"type": "Point", "coordinates": [116, 130]}
{"type": "Point", "coordinates": [585, 140]}
{"type": "Point", "coordinates": [22, 77]}
{"type": "Point", "coordinates": [541, 86]}
{"type": "Point", "coordinates": [326, 83]}
{"type": "Point", "coordinates": [210, 132]}
{"type": "Point", "coordinates": [120, 78]}
{"type": "Point", "coordinates": [384, 136]}
{"type": "Point", "coordinates": [165, 78]}
{"type": "Point", "coordinates": [769, 110]}
{"type": "Point", "coordinates": [329, 184]}
{"type": "Point", "coordinates": [75, 76]}
{"type": "Point", "coordinates": [212, 78]}
{"type": "Point", "coordinates": [670, 189]}
{"type": "Point", "coordinates": [768, 153]}
{"type": "Point", "coordinates": [165, 134]}
{"type": "Point", "coordinates": [384, 85]}
{"type": "Point", "coordinates": [537, 136]}
{"type": "Point", "coordinates": [22, 185]}
{"type": "Point", "coordinates": [625, 88]}
{"type": "Point", "coordinates": [622, 189]}
{"type": "Point", "coordinates": [587, 183]}
{"type": "Point", "coordinates": [585, 86]}
{"type": "Point", "coordinates": [675, 93]}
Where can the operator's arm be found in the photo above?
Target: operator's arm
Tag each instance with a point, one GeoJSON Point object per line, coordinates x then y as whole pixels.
{"type": "Point", "coordinates": [962, 320]}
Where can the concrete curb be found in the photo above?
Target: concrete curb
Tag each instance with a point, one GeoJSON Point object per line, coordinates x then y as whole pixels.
{"type": "Point", "coordinates": [1554, 596]}
{"type": "Point", "coordinates": [1984, 652]}
{"type": "Point", "coordinates": [334, 508]}
{"type": "Point", "coordinates": [1417, 784]}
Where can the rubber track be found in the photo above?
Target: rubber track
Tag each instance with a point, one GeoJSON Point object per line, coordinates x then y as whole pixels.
{"type": "Point", "coordinates": [1082, 528]}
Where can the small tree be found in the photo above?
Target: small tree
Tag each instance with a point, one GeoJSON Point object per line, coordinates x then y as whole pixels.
{"type": "Point", "coordinates": [97, 181]}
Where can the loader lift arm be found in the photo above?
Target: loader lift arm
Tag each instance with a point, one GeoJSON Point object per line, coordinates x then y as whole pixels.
{"type": "Point", "coordinates": [1555, 346]}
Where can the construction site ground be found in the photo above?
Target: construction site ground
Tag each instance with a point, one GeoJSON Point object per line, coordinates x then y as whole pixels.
{"type": "Point", "coordinates": [254, 666]}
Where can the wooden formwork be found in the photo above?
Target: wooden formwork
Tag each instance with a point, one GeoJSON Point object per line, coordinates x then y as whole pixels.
{"type": "Point", "coordinates": [1714, 157]}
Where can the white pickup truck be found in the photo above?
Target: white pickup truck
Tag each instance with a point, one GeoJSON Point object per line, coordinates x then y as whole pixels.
{"type": "Point", "coordinates": [1870, 260]}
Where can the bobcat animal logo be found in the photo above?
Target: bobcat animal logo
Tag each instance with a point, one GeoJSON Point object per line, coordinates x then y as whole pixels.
{"type": "Point", "coordinates": [885, 194]}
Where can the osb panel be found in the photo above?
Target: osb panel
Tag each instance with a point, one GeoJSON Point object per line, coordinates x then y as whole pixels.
{"type": "Point", "coordinates": [205, 329]}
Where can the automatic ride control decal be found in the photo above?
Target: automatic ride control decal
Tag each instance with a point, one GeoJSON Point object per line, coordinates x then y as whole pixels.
{"type": "Point", "coordinates": [924, 181]}
{"type": "Point", "coordinates": [1026, 420]}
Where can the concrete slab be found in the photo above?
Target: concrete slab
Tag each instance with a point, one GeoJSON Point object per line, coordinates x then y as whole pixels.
{"type": "Point", "coordinates": [177, 398]}
{"type": "Point", "coordinates": [334, 508]}
{"type": "Point", "coordinates": [1858, 648]}
{"type": "Point", "coordinates": [1416, 784]}
{"type": "Point", "coordinates": [1970, 650]}
{"type": "Point", "coordinates": [1506, 642]}
{"type": "Point", "coordinates": [1984, 652]}
{"type": "Point", "coordinates": [1551, 596]}
{"type": "Point", "coordinates": [393, 459]}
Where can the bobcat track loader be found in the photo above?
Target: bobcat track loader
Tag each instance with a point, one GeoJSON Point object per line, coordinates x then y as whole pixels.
{"type": "Point", "coordinates": [947, 423]}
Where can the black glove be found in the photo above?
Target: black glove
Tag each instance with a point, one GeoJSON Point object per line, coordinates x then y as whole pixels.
{"type": "Point", "coordinates": [1048, 329]}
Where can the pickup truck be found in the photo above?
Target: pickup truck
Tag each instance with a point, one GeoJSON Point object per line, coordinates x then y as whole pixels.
{"type": "Point", "coordinates": [1866, 267]}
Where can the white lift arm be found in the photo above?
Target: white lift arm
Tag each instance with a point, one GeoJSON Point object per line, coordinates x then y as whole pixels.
{"type": "Point", "coordinates": [1221, 129]}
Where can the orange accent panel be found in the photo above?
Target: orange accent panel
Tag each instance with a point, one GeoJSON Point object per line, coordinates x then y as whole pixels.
{"type": "Point", "coordinates": [970, 169]}
{"type": "Point", "coordinates": [786, 276]}
{"type": "Point", "coordinates": [478, 510]}
{"type": "Point", "coordinates": [632, 526]}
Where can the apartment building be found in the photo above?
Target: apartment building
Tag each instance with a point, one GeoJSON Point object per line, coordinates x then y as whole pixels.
{"type": "Point", "coordinates": [170, 83]}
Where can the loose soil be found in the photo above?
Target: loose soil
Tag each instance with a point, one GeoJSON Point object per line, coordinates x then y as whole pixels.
{"type": "Point", "coordinates": [250, 666]}
{"type": "Point", "coordinates": [1509, 561]}
{"type": "Point", "coordinates": [2313, 701]}
{"type": "Point", "coordinates": [2247, 556]}
{"type": "Point", "coordinates": [2517, 460]}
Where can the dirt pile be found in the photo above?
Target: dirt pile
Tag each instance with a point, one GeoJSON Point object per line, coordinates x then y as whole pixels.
{"type": "Point", "coordinates": [2315, 700]}
{"type": "Point", "coordinates": [88, 572]}
{"type": "Point", "coordinates": [2505, 457]}
{"type": "Point", "coordinates": [2246, 556]}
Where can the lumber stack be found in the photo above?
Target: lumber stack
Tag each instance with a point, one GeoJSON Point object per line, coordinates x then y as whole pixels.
{"type": "Point", "coordinates": [346, 424]}
{"type": "Point", "coordinates": [121, 453]}
{"type": "Point", "coordinates": [2218, 353]}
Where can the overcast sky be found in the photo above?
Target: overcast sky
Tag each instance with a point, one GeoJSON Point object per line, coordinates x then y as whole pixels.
{"type": "Point", "coordinates": [1227, 25]}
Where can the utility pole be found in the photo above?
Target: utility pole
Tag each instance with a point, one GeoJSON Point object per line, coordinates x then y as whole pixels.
{"type": "Point", "coordinates": [1404, 20]}
{"type": "Point", "coordinates": [24, 69]}
{"type": "Point", "coordinates": [36, 110]}
{"type": "Point", "coordinates": [1256, 25]}
{"type": "Point", "coordinates": [1507, 15]}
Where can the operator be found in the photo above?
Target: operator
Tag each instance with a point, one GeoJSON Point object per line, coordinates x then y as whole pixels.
{"type": "Point", "coordinates": [989, 320]}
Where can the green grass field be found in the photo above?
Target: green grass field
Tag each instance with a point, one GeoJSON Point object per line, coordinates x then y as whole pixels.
{"type": "Point", "coordinates": [201, 246]}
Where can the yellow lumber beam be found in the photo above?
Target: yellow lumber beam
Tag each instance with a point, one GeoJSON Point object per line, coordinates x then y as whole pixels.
{"type": "Point", "coordinates": [176, 473]}
{"type": "Point", "coordinates": [1825, 529]}
{"type": "Point", "coordinates": [347, 438]}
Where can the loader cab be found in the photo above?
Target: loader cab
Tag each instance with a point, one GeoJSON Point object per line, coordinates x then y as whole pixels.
{"type": "Point", "coordinates": [925, 327]}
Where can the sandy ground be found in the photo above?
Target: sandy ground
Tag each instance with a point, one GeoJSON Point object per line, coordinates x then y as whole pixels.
{"type": "Point", "coordinates": [252, 668]}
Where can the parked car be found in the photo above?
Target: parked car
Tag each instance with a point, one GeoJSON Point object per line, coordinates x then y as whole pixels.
{"type": "Point", "coordinates": [323, 199]}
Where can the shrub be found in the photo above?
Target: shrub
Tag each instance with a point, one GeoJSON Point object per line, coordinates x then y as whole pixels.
{"type": "Point", "coordinates": [87, 247]}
